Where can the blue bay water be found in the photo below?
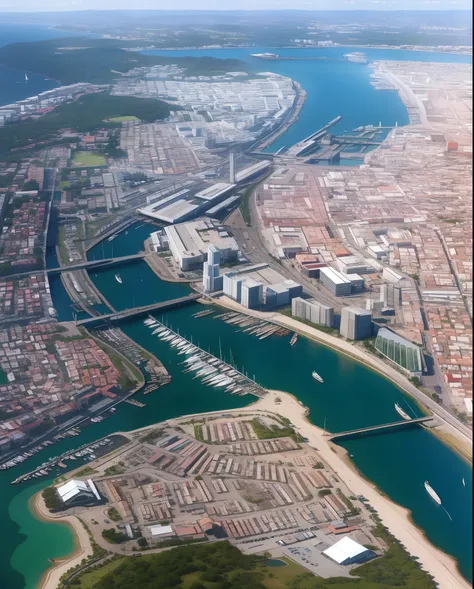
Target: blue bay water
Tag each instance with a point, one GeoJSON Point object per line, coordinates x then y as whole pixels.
{"type": "Point", "coordinates": [352, 395]}
{"type": "Point", "coordinates": [333, 88]}
{"type": "Point", "coordinates": [12, 81]}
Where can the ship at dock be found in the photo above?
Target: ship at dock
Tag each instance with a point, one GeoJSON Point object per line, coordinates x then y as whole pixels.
{"type": "Point", "coordinates": [316, 376]}
{"type": "Point", "coordinates": [400, 411]}
{"type": "Point", "coordinates": [294, 339]}
{"type": "Point", "coordinates": [432, 493]}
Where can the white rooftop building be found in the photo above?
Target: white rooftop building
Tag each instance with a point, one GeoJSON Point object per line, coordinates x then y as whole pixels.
{"type": "Point", "coordinates": [348, 551]}
{"type": "Point", "coordinates": [189, 243]}
{"type": "Point", "coordinates": [76, 491]}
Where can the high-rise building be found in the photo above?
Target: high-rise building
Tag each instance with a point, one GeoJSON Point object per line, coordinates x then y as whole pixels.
{"type": "Point", "coordinates": [233, 286]}
{"type": "Point", "coordinates": [312, 311]}
{"type": "Point", "coordinates": [252, 293]}
{"type": "Point", "coordinates": [232, 167]}
{"type": "Point", "coordinates": [211, 281]}
{"type": "Point", "coordinates": [356, 323]}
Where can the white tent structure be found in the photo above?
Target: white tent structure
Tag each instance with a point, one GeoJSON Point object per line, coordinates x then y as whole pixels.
{"type": "Point", "coordinates": [348, 551]}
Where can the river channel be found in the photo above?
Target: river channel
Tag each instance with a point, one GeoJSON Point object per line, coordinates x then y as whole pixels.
{"type": "Point", "coordinates": [352, 395]}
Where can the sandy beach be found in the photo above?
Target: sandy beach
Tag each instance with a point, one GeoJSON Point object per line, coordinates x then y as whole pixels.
{"type": "Point", "coordinates": [83, 549]}
{"type": "Point", "coordinates": [395, 518]}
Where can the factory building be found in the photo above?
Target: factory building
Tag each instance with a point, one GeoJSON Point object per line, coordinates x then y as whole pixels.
{"type": "Point", "coordinates": [189, 243]}
{"type": "Point", "coordinates": [252, 171]}
{"type": "Point", "coordinates": [354, 265]}
{"type": "Point", "coordinates": [391, 276]}
{"type": "Point", "coordinates": [252, 294]}
{"type": "Point", "coordinates": [348, 551]}
{"type": "Point", "coordinates": [312, 311]}
{"type": "Point", "coordinates": [356, 323]}
{"type": "Point", "coordinates": [171, 209]}
{"type": "Point", "coordinates": [76, 492]}
{"type": "Point", "coordinates": [215, 193]}
{"type": "Point", "coordinates": [282, 293]}
{"type": "Point", "coordinates": [337, 283]}
{"type": "Point", "coordinates": [211, 281]}
{"type": "Point", "coordinates": [232, 285]}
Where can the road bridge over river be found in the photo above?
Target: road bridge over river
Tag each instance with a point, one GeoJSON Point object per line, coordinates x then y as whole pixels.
{"type": "Point", "coordinates": [112, 318]}
{"type": "Point", "coordinates": [82, 265]}
{"type": "Point", "coordinates": [385, 427]}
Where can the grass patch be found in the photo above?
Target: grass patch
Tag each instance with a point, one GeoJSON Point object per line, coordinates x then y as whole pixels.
{"type": "Point", "coordinates": [93, 227]}
{"type": "Point", "coordinates": [115, 470]}
{"type": "Point", "coordinates": [89, 580]}
{"type": "Point", "coordinates": [85, 472]}
{"type": "Point", "coordinates": [85, 159]}
{"type": "Point", "coordinates": [114, 515]}
{"type": "Point", "coordinates": [266, 433]}
{"type": "Point", "coordinates": [152, 436]}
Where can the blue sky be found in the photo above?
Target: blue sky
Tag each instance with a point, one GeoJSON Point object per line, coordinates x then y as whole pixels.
{"type": "Point", "coordinates": [59, 5]}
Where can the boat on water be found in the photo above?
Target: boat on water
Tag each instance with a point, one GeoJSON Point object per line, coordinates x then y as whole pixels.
{"type": "Point", "coordinates": [294, 339]}
{"type": "Point", "coordinates": [316, 376]}
{"type": "Point", "coordinates": [463, 482]}
{"type": "Point", "coordinates": [111, 238]}
{"type": "Point", "coordinates": [432, 493]}
{"type": "Point", "coordinates": [26, 78]}
{"type": "Point", "coordinates": [118, 278]}
{"type": "Point", "coordinates": [400, 411]}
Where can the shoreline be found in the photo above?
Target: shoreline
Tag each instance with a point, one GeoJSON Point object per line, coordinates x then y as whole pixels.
{"type": "Point", "coordinates": [82, 545]}
{"type": "Point", "coordinates": [396, 518]}
{"type": "Point", "coordinates": [343, 347]}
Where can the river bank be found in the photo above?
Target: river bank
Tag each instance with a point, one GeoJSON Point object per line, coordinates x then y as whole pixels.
{"type": "Point", "coordinates": [83, 547]}
{"type": "Point", "coordinates": [396, 518]}
{"type": "Point", "coordinates": [461, 433]}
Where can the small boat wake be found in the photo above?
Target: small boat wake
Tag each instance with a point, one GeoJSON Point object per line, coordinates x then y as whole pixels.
{"type": "Point", "coordinates": [447, 512]}
{"type": "Point", "coordinates": [434, 495]}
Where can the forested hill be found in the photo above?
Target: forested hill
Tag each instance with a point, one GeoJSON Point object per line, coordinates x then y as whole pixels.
{"type": "Point", "coordinates": [95, 60]}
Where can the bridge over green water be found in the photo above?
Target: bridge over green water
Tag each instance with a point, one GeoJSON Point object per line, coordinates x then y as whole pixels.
{"type": "Point", "coordinates": [385, 427]}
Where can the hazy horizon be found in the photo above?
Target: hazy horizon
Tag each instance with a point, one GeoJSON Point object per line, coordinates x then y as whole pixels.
{"type": "Point", "coordinates": [32, 6]}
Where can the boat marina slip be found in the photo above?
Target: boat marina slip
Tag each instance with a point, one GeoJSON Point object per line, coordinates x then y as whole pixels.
{"type": "Point", "coordinates": [222, 360]}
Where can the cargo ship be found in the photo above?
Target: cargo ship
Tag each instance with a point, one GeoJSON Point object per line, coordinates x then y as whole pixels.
{"type": "Point", "coordinates": [316, 376]}
{"type": "Point", "coordinates": [432, 493]}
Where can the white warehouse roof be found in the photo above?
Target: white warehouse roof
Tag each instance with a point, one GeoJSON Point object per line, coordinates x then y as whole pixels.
{"type": "Point", "coordinates": [215, 191]}
{"type": "Point", "coordinates": [72, 488]}
{"type": "Point", "coordinates": [161, 530]}
{"type": "Point", "coordinates": [345, 549]}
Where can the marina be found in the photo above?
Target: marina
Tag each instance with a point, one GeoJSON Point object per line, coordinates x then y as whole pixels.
{"type": "Point", "coordinates": [252, 326]}
{"type": "Point", "coordinates": [211, 370]}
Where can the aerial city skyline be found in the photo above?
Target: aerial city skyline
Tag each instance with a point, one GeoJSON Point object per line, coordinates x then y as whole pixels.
{"type": "Point", "coordinates": [236, 295]}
